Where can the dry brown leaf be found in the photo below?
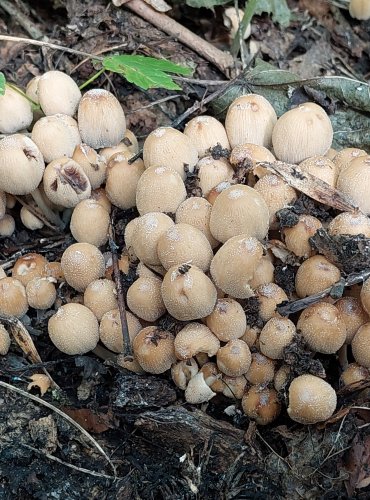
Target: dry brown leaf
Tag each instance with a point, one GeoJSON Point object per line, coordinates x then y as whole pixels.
{"type": "Point", "coordinates": [158, 5]}
{"type": "Point", "coordinates": [41, 381]}
{"type": "Point", "coordinates": [91, 421]}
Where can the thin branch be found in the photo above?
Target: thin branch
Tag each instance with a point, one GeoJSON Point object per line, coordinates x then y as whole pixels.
{"type": "Point", "coordinates": [22, 19]}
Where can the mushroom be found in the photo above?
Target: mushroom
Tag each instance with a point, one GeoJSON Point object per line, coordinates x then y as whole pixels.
{"type": "Point", "coordinates": [183, 371]}
{"type": "Point", "coordinates": [122, 181]}
{"type": "Point", "coordinates": [92, 163]}
{"type": "Point", "coordinates": [211, 172]}
{"type": "Point", "coordinates": [251, 155]}
{"type": "Point", "coordinates": [197, 391]}
{"type": "Point", "coordinates": [352, 223]}
{"type": "Point", "coordinates": [7, 225]}
{"type": "Point", "coordinates": [205, 132]}
{"type": "Point", "coordinates": [269, 296]}
{"type": "Point", "coordinates": [41, 293]}
{"type": "Point", "coordinates": [74, 329]}
{"type": "Point", "coordinates": [282, 377]}
{"type": "Point", "coordinates": [123, 147]}
{"type": "Point", "coordinates": [197, 212]}
{"type": "Point", "coordinates": [28, 267]}
{"type": "Point", "coordinates": [100, 196]}
{"type": "Point", "coordinates": [322, 168]}
{"type": "Point", "coordinates": [261, 370]}
{"type": "Point", "coordinates": [359, 9]}
{"type": "Point", "coordinates": [352, 314]}
{"type": "Point", "coordinates": [322, 328]}
{"type": "Point", "coordinates": [250, 118]}
{"type": "Point", "coordinates": [159, 189]}
{"type": "Point", "coordinates": [234, 265]}
{"type": "Point", "coordinates": [2, 204]}
{"type": "Point", "coordinates": [110, 330]}
{"type": "Point", "coordinates": [58, 93]}
{"type": "Point", "coordinates": [354, 182]}
{"type": "Point", "coordinates": [29, 220]}
{"type": "Point", "coordinates": [263, 274]}
{"type": "Point", "coordinates": [188, 293]}
{"type": "Point", "coordinates": [232, 19]}
{"type": "Point", "coordinates": [32, 89]}
{"type": "Point", "coordinates": [297, 237]}
{"type": "Point", "coordinates": [90, 223]}
{"type": "Point", "coordinates": [15, 112]}
{"type": "Point", "coordinates": [217, 190]}
{"type": "Point", "coordinates": [354, 374]}
{"type": "Point", "coordinates": [275, 336]}
{"type": "Point", "coordinates": [193, 339]}
{"type": "Point", "coordinates": [360, 344]}
{"type": "Point", "coordinates": [13, 300]}
{"type": "Point", "coordinates": [277, 195]}
{"type": "Point", "coordinates": [238, 210]}
{"type": "Point", "coordinates": [261, 404]}
{"type": "Point", "coordinates": [311, 400]}
{"type": "Point", "coordinates": [144, 298]}
{"type": "Point", "coordinates": [250, 336]}
{"type": "Point", "coordinates": [315, 275]}
{"type": "Point", "coordinates": [171, 148]}
{"type": "Point", "coordinates": [54, 270]}
{"type": "Point", "coordinates": [100, 297]}
{"type": "Point", "coordinates": [302, 132]}
{"type": "Point", "coordinates": [212, 375]}
{"type": "Point", "coordinates": [345, 156]}
{"type": "Point", "coordinates": [234, 387]}
{"type": "Point", "coordinates": [365, 296]}
{"type": "Point", "coordinates": [227, 321]}
{"type": "Point", "coordinates": [4, 341]}
{"type": "Point", "coordinates": [234, 358]}
{"type": "Point", "coordinates": [82, 263]}
{"type": "Point", "coordinates": [154, 349]}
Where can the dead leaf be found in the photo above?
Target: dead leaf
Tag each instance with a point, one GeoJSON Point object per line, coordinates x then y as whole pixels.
{"type": "Point", "coordinates": [41, 381]}
{"type": "Point", "coordinates": [357, 463]}
{"type": "Point", "coordinates": [91, 421]}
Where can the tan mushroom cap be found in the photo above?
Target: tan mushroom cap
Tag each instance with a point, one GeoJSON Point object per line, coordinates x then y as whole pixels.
{"type": "Point", "coordinates": [212, 375]}
{"type": "Point", "coordinates": [251, 155]}
{"type": "Point", "coordinates": [354, 182]}
{"type": "Point", "coordinates": [2, 204]}
{"type": "Point", "coordinates": [122, 181]}
{"type": "Point", "coordinates": [90, 223]}
{"type": "Point", "coordinates": [322, 328]}
{"type": "Point", "coordinates": [250, 336]}
{"type": "Point", "coordinates": [227, 321]}
{"type": "Point", "coordinates": [171, 148]}
{"type": "Point", "coordinates": [275, 336]}
{"type": "Point", "coordinates": [29, 220]}
{"type": "Point", "coordinates": [154, 349]}
{"type": "Point", "coordinates": [197, 391]}
{"type": "Point", "coordinates": [54, 270]}
{"type": "Point", "coordinates": [261, 404]}
{"type": "Point", "coordinates": [277, 194]}
{"type": "Point", "coordinates": [269, 296]}
{"type": "Point", "coordinates": [56, 136]}
{"type": "Point", "coordinates": [217, 190]}
{"type": "Point", "coordinates": [32, 89]}
{"type": "Point", "coordinates": [4, 341]}
{"type": "Point", "coordinates": [7, 225]}
{"type": "Point", "coordinates": [239, 210]}
{"type": "Point", "coordinates": [100, 297]}
{"type": "Point", "coordinates": [146, 232]}
{"type": "Point", "coordinates": [58, 93]}
{"type": "Point", "coordinates": [350, 223]}
{"type": "Point", "coordinates": [92, 163]}
{"type": "Point", "coordinates": [365, 296]}
{"type": "Point", "coordinates": [263, 274]}
{"type": "Point", "coordinates": [345, 156]}
{"type": "Point", "coordinates": [250, 118]}
{"type": "Point", "coordinates": [359, 9]}
{"type": "Point", "coordinates": [205, 132]}
{"type": "Point", "coordinates": [234, 387]}
{"type": "Point", "coordinates": [183, 371]}
{"type": "Point", "coordinates": [282, 376]}
{"type": "Point", "coordinates": [315, 275]}
{"type": "Point", "coordinates": [261, 370]}
{"type": "Point", "coordinates": [352, 314]}
{"type": "Point", "coordinates": [302, 132]}
{"type": "Point", "coordinates": [211, 172]}
{"type": "Point", "coordinates": [160, 189]}
{"type": "Point", "coordinates": [74, 329]}
{"type": "Point", "coordinates": [110, 330]}
{"type": "Point", "coordinates": [41, 293]}
{"type": "Point", "coordinates": [144, 298]}
{"type": "Point", "coordinates": [197, 212]}
{"type": "Point", "coordinates": [353, 374]}
{"type": "Point", "coordinates": [15, 112]}
{"type": "Point", "coordinates": [21, 165]}
{"type": "Point", "coordinates": [101, 119]}
{"type": "Point", "coordinates": [193, 339]}
{"type": "Point", "coordinates": [188, 293]}
{"type": "Point", "coordinates": [31, 265]}
{"type": "Point", "coordinates": [297, 237]}
{"type": "Point", "coordinates": [184, 243]}
{"type": "Point", "coordinates": [234, 265]}
{"type": "Point", "coordinates": [100, 196]}
{"type": "Point", "coordinates": [311, 400]}
{"type": "Point", "coordinates": [322, 168]}
{"type": "Point", "coordinates": [360, 345]}
{"type": "Point", "coordinates": [234, 358]}
{"type": "Point", "coordinates": [82, 263]}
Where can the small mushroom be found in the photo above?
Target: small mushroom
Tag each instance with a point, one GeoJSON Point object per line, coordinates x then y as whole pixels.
{"type": "Point", "coordinates": [13, 299]}
{"type": "Point", "coordinates": [315, 275]}
{"type": "Point", "coordinates": [30, 220]}
{"type": "Point", "coordinates": [354, 182]}
{"type": "Point", "coordinates": [261, 404]}
{"type": "Point", "coordinates": [297, 237]}
{"type": "Point", "coordinates": [90, 223]}
{"type": "Point", "coordinates": [15, 112]}
{"type": "Point", "coordinates": [28, 267]}
{"type": "Point", "coordinates": [277, 195]}
{"type": "Point", "coordinates": [350, 223]}
{"type": "Point", "coordinates": [4, 341]}
{"type": "Point", "coordinates": [122, 181]}
{"type": "Point", "coordinates": [275, 336]}
{"type": "Point", "coordinates": [322, 168]}
{"type": "Point", "coordinates": [197, 391]}
{"type": "Point", "coordinates": [352, 314]}
{"type": "Point", "coordinates": [354, 374]}
{"type": "Point", "coordinates": [261, 370]}
{"type": "Point", "coordinates": [282, 377]}
{"type": "Point", "coordinates": [58, 93]}
{"type": "Point", "coordinates": [144, 298]}
{"type": "Point", "coordinates": [205, 132]}
{"type": "Point", "coordinates": [41, 293]}
{"type": "Point", "coordinates": [360, 345]}
{"type": "Point", "coordinates": [211, 172]}
{"type": "Point", "coordinates": [345, 156]}
{"type": "Point", "coordinates": [234, 358]}
{"type": "Point", "coordinates": [227, 321]}
{"type": "Point", "coordinates": [234, 387]}
{"type": "Point", "coordinates": [251, 155]}
{"type": "Point", "coordinates": [183, 371]}
{"type": "Point", "coordinates": [82, 263]}
{"type": "Point", "coordinates": [193, 339]}
{"type": "Point", "coordinates": [110, 330]}
{"type": "Point", "coordinates": [154, 349]}
{"type": "Point", "coordinates": [7, 225]}
{"type": "Point", "coordinates": [269, 296]}
{"type": "Point", "coordinates": [92, 163]}
{"type": "Point", "coordinates": [100, 297]}
{"type": "Point", "coordinates": [359, 9]}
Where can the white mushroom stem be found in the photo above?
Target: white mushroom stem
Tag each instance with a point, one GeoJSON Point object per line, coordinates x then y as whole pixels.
{"type": "Point", "coordinates": [198, 391]}
{"type": "Point", "coordinates": [47, 211]}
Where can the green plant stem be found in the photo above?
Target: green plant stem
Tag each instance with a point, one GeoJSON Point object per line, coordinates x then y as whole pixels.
{"type": "Point", "coordinates": [23, 94]}
{"type": "Point", "coordinates": [247, 18]}
{"type": "Point", "coordinates": [92, 78]}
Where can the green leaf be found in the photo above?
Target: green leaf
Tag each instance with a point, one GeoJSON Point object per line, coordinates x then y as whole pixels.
{"type": "Point", "coordinates": [146, 72]}
{"type": "Point", "coordinates": [277, 8]}
{"type": "Point", "coordinates": [2, 83]}
{"type": "Point", "coordinates": [208, 4]}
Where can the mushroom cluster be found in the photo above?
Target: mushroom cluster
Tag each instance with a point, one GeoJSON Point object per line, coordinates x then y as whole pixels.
{"type": "Point", "coordinates": [205, 248]}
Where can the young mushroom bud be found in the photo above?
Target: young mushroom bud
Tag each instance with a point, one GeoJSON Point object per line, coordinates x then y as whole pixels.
{"type": "Point", "coordinates": [15, 112]}
{"type": "Point", "coordinates": [205, 132]}
{"type": "Point", "coordinates": [4, 341]}
{"type": "Point", "coordinates": [277, 195]}
{"type": "Point", "coordinates": [144, 298]}
{"type": "Point", "coordinates": [261, 370]}
{"type": "Point", "coordinates": [13, 299]}
{"type": "Point", "coordinates": [74, 329]}
{"type": "Point", "coordinates": [211, 172]}
{"type": "Point", "coordinates": [188, 293]}
{"type": "Point", "coordinates": [352, 314]}
{"type": "Point", "coordinates": [183, 371]}
{"type": "Point", "coordinates": [261, 404]}
{"type": "Point", "coordinates": [322, 168]}
{"type": "Point", "coordinates": [100, 297]}
{"type": "Point", "coordinates": [352, 223]}
{"type": "Point", "coordinates": [65, 183]}
{"type": "Point", "coordinates": [234, 358]}
{"type": "Point", "coordinates": [7, 225]}
{"type": "Point", "coordinates": [354, 182]}
{"type": "Point", "coordinates": [322, 328]}
{"type": "Point", "coordinates": [129, 147]}
{"type": "Point", "coordinates": [32, 89]}
{"type": "Point", "coordinates": [154, 349]}
{"type": "Point", "coordinates": [82, 263]}
{"type": "Point", "coordinates": [29, 220]}
{"type": "Point", "coordinates": [302, 132]}
{"type": "Point", "coordinates": [239, 210]}
{"type": "Point", "coordinates": [227, 321]}
{"type": "Point", "coordinates": [197, 212]}
{"type": "Point", "coordinates": [2, 204]}
{"type": "Point", "coordinates": [282, 377]}
{"type": "Point", "coordinates": [171, 148]}
{"type": "Point", "coordinates": [101, 119]}
{"type": "Point", "coordinates": [360, 345]}
{"type": "Point", "coordinates": [56, 136]}
{"type": "Point", "coordinates": [31, 265]}
{"type": "Point", "coordinates": [311, 400]}
{"type": "Point", "coordinates": [90, 223]}
{"type": "Point", "coordinates": [359, 9]}
{"type": "Point", "coordinates": [193, 339]}
{"type": "Point", "coordinates": [212, 375]}
{"type": "Point", "coordinates": [41, 293]}
{"type": "Point", "coordinates": [54, 270]}
{"type": "Point", "coordinates": [250, 336]}
{"type": "Point", "coordinates": [297, 237]}
{"type": "Point", "coordinates": [250, 155]}
{"type": "Point", "coordinates": [92, 164]}
{"type": "Point", "coordinates": [354, 374]}
{"type": "Point", "coordinates": [110, 330]}
{"type": "Point", "coordinates": [250, 118]}
{"type": "Point", "coordinates": [58, 93]}
{"type": "Point", "coordinates": [146, 232]}
{"type": "Point", "coordinates": [315, 275]}
{"type": "Point", "coordinates": [198, 391]}
{"type": "Point", "coordinates": [234, 387]}
{"type": "Point", "coordinates": [21, 165]}
{"type": "Point", "coordinates": [184, 243]}
{"type": "Point", "coordinates": [275, 336]}
{"type": "Point", "coordinates": [160, 189]}
{"type": "Point", "coordinates": [345, 156]}
{"type": "Point", "coordinates": [365, 296]}
{"type": "Point", "coordinates": [263, 274]}
{"type": "Point", "coordinates": [234, 265]}
{"type": "Point", "coordinates": [269, 296]}
{"type": "Point", "coordinates": [122, 181]}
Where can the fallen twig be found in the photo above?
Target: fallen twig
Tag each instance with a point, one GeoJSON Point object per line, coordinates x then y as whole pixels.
{"type": "Point", "coordinates": [12, 9]}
